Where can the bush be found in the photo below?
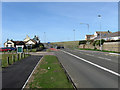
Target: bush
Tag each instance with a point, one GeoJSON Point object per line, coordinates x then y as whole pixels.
{"type": "Point", "coordinates": [97, 42]}
{"type": "Point", "coordinates": [82, 42]}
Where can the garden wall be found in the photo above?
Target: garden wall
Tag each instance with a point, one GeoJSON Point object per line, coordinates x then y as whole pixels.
{"type": "Point", "coordinates": [109, 46]}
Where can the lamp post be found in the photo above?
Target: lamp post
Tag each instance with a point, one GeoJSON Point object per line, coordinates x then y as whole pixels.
{"type": "Point", "coordinates": [86, 24]}
{"type": "Point", "coordinates": [74, 34]}
{"type": "Point", "coordinates": [99, 16]}
{"type": "Point", "coordinates": [44, 37]}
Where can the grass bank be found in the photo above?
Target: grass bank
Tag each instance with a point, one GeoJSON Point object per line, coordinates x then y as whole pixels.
{"type": "Point", "coordinates": [49, 74]}
{"type": "Point", "coordinates": [5, 56]}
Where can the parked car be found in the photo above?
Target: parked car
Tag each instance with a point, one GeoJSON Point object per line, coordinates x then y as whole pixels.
{"type": "Point", "coordinates": [11, 48]}
{"type": "Point", "coordinates": [4, 49]}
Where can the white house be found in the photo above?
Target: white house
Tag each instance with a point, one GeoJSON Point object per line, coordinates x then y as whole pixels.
{"type": "Point", "coordinates": [110, 36]}
{"type": "Point", "coordinates": [27, 38]}
{"type": "Point", "coordinates": [9, 43]}
{"type": "Point", "coordinates": [31, 42]}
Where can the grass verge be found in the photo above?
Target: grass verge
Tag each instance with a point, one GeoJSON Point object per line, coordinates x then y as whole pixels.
{"type": "Point", "coordinates": [4, 59]}
{"type": "Point", "coordinates": [97, 50]}
{"type": "Point", "coordinates": [49, 74]}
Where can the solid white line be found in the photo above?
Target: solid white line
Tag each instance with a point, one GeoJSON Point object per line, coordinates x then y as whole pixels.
{"type": "Point", "coordinates": [105, 69]}
{"type": "Point", "coordinates": [114, 53]}
{"type": "Point", "coordinates": [31, 74]}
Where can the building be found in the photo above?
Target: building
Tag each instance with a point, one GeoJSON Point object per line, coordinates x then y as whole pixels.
{"type": "Point", "coordinates": [31, 42]}
{"type": "Point", "coordinates": [97, 34]}
{"type": "Point", "coordinates": [11, 43]}
{"type": "Point", "coordinates": [110, 36]}
{"type": "Point", "coordinates": [36, 38]}
{"type": "Point", "coordinates": [27, 38]}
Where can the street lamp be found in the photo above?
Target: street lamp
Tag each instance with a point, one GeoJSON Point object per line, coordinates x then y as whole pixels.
{"type": "Point", "coordinates": [44, 37]}
{"type": "Point", "coordinates": [74, 34]}
{"type": "Point", "coordinates": [86, 24]}
{"type": "Point", "coordinates": [99, 16]}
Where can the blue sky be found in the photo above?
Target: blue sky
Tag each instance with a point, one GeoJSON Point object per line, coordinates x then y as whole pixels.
{"type": "Point", "coordinates": [56, 19]}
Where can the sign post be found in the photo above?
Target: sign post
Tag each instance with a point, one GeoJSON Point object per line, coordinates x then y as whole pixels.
{"type": "Point", "coordinates": [19, 48]}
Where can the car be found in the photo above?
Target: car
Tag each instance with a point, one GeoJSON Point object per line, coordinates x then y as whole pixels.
{"type": "Point", "coordinates": [62, 47]}
{"type": "Point", "coordinates": [11, 48]}
{"type": "Point", "coordinates": [58, 47]}
{"type": "Point", "coordinates": [4, 49]}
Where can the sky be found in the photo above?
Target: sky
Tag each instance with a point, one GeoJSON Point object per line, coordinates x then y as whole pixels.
{"type": "Point", "coordinates": [57, 19]}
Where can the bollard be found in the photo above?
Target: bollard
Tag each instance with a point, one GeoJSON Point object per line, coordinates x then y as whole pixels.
{"type": "Point", "coordinates": [13, 58]}
{"type": "Point", "coordinates": [24, 55]}
{"type": "Point", "coordinates": [8, 61]}
{"type": "Point", "coordinates": [17, 56]}
{"type": "Point", "coordinates": [21, 56]}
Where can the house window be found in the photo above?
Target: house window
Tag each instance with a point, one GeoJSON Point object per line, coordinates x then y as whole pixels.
{"type": "Point", "coordinates": [6, 45]}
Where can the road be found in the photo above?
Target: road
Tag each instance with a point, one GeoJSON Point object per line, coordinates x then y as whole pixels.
{"type": "Point", "coordinates": [16, 75]}
{"type": "Point", "coordinates": [90, 69]}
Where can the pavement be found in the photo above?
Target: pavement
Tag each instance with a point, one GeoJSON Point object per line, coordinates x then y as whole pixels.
{"type": "Point", "coordinates": [16, 75]}
{"type": "Point", "coordinates": [91, 69]}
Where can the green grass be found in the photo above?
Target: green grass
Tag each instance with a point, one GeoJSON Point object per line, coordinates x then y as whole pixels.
{"type": "Point", "coordinates": [33, 50]}
{"type": "Point", "coordinates": [49, 78]}
{"type": "Point", "coordinates": [97, 50]}
{"type": "Point", "coordinates": [68, 44]}
{"type": "Point", "coordinates": [5, 56]}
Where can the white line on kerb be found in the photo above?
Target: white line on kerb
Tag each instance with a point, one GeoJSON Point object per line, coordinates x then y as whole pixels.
{"type": "Point", "coordinates": [31, 73]}
{"type": "Point", "coordinates": [105, 69]}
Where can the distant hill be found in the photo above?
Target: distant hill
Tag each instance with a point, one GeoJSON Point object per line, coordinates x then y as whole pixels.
{"type": "Point", "coordinates": [67, 44]}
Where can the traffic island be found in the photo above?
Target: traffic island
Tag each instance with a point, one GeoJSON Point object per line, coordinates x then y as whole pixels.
{"type": "Point", "coordinates": [49, 74]}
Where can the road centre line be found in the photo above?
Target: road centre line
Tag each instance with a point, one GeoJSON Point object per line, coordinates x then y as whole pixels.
{"type": "Point", "coordinates": [103, 68]}
{"type": "Point", "coordinates": [105, 58]}
{"type": "Point", "coordinates": [97, 57]}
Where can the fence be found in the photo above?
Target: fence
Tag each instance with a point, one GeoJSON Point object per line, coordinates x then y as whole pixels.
{"type": "Point", "coordinates": [8, 59]}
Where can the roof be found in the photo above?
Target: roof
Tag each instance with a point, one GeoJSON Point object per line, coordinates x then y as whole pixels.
{"type": "Point", "coordinates": [32, 41]}
{"type": "Point", "coordinates": [19, 42]}
{"type": "Point", "coordinates": [103, 32]}
{"type": "Point", "coordinates": [114, 34]}
{"type": "Point", "coordinates": [88, 36]}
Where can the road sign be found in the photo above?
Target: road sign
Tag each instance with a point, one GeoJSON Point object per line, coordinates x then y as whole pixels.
{"type": "Point", "coordinates": [19, 48]}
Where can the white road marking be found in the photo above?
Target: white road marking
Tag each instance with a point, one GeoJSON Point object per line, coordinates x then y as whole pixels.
{"type": "Point", "coordinates": [103, 68]}
{"type": "Point", "coordinates": [89, 55]}
{"type": "Point", "coordinates": [105, 58]}
{"type": "Point", "coordinates": [114, 53]}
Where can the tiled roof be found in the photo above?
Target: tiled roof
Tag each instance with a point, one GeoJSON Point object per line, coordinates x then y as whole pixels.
{"type": "Point", "coordinates": [32, 41]}
{"type": "Point", "coordinates": [19, 42]}
{"type": "Point", "coordinates": [102, 32]}
{"type": "Point", "coordinates": [115, 34]}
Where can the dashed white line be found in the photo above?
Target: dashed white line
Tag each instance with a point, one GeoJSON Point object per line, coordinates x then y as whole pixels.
{"type": "Point", "coordinates": [96, 65]}
{"type": "Point", "coordinates": [105, 58]}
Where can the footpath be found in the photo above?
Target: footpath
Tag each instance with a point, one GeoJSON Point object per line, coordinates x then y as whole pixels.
{"type": "Point", "coordinates": [16, 75]}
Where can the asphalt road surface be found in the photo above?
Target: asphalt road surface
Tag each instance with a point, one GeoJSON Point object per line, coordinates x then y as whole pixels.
{"type": "Point", "coordinates": [16, 75]}
{"type": "Point", "coordinates": [91, 69]}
